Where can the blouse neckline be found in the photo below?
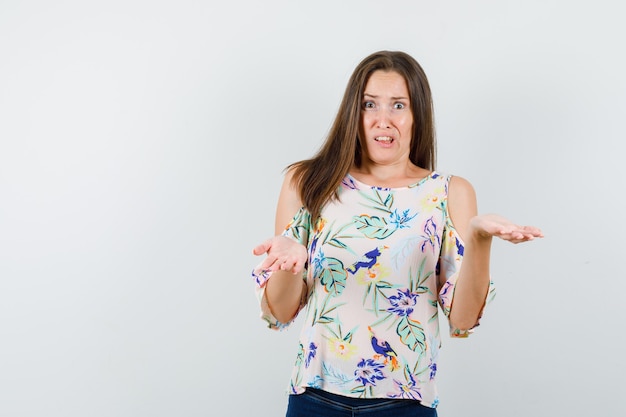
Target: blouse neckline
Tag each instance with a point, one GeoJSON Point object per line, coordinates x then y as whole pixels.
{"type": "Point", "coordinates": [411, 185]}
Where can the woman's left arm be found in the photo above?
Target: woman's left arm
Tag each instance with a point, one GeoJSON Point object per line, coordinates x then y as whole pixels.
{"type": "Point", "coordinates": [477, 232]}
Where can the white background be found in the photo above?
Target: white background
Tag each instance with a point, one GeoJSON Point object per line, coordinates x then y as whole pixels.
{"type": "Point", "coordinates": [141, 152]}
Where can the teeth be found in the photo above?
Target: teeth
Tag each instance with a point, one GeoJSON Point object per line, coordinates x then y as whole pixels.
{"type": "Point", "coordinates": [383, 139]}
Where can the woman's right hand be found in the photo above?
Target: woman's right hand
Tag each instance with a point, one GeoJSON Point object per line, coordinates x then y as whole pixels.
{"type": "Point", "coordinates": [283, 254]}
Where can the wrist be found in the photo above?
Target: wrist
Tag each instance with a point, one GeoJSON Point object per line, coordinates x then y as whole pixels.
{"type": "Point", "coordinates": [477, 233]}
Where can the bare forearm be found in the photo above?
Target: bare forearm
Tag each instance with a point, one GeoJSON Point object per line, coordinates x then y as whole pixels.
{"type": "Point", "coordinates": [472, 284]}
{"type": "Point", "coordinates": [284, 293]}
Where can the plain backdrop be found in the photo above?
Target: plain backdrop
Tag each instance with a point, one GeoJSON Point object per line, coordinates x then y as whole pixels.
{"type": "Point", "coordinates": [142, 145]}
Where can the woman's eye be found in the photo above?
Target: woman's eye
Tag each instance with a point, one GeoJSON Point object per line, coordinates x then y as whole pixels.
{"type": "Point", "coordinates": [368, 105]}
{"type": "Point", "coordinates": [398, 106]}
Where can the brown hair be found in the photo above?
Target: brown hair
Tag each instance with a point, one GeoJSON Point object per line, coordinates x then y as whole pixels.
{"type": "Point", "coordinates": [318, 178]}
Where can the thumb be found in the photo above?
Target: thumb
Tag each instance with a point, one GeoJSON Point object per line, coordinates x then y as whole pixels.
{"type": "Point", "coordinates": [262, 248]}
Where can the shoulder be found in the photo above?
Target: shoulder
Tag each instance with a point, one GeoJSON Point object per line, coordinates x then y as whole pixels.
{"type": "Point", "coordinates": [289, 201]}
{"type": "Point", "coordinates": [456, 188]}
{"type": "Point", "coordinates": [459, 188]}
{"type": "Point", "coordinates": [461, 202]}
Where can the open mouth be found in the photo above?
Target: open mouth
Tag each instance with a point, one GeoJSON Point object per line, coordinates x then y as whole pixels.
{"type": "Point", "coordinates": [383, 139]}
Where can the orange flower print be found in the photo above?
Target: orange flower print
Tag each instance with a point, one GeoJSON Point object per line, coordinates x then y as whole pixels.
{"type": "Point", "coordinates": [371, 275]}
{"type": "Point", "coordinates": [341, 348]}
{"type": "Point", "coordinates": [432, 200]}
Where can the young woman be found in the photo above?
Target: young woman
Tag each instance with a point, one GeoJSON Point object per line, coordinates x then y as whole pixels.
{"type": "Point", "coordinates": [370, 240]}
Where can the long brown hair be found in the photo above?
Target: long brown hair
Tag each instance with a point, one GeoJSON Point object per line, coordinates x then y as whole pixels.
{"type": "Point", "coordinates": [317, 179]}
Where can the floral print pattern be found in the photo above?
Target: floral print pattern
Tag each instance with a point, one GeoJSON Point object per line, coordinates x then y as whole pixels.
{"type": "Point", "coordinates": [376, 282]}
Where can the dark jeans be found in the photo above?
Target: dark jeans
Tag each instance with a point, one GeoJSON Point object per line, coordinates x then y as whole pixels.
{"type": "Point", "coordinates": [316, 403]}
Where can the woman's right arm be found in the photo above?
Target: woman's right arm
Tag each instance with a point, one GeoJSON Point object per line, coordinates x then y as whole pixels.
{"type": "Point", "coordinates": [286, 258]}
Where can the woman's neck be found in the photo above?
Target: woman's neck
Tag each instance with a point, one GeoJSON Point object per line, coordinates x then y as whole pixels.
{"type": "Point", "coordinates": [397, 175]}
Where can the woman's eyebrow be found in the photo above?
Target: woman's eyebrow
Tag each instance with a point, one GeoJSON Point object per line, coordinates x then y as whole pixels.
{"type": "Point", "coordinates": [393, 98]}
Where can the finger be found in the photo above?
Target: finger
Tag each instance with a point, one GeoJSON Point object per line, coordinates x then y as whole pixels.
{"type": "Point", "coordinates": [262, 248]}
{"type": "Point", "coordinates": [291, 265]}
{"type": "Point", "coordinates": [520, 239]}
{"type": "Point", "coordinates": [525, 233]}
{"type": "Point", "coordinates": [535, 231]}
{"type": "Point", "coordinates": [511, 237]}
{"type": "Point", "coordinates": [298, 267]}
{"type": "Point", "coordinates": [504, 233]}
{"type": "Point", "coordinates": [269, 263]}
{"type": "Point", "coordinates": [531, 234]}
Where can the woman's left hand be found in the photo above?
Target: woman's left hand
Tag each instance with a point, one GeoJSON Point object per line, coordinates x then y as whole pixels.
{"type": "Point", "coordinates": [488, 225]}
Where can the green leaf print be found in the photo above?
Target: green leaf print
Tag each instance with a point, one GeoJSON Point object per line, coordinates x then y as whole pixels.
{"type": "Point", "coordinates": [323, 315]}
{"type": "Point", "coordinates": [373, 226]}
{"type": "Point", "coordinates": [300, 225]}
{"type": "Point", "coordinates": [379, 202]}
{"type": "Point", "coordinates": [412, 334]}
{"type": "Point", "coordinates": [333, 276]}
{"type": "Point", "coordinates": [420, 287]}
{"type": "Point", "coordinates": [325, 320]}
{"type": "Point", "coordinates": [335, 377]}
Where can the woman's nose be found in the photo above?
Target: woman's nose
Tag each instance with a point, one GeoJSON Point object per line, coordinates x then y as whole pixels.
{"type": "Point", "coordinates": [383, 120]}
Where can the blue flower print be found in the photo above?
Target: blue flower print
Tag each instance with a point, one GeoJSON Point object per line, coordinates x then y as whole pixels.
{"type": "Point", "coordinates": [431, 238]}
{"type": "Point", "coordinates": [407, 390]}
{"type": "Point", "coordinates": [445, 296]}
{"type": "Point", "coordinates": [459, 246]}
{"type": "Point", "coordinates": [433, 370]}
{"type": "Point", "coordinates": [318, 262]}
{"type": "Point", "coordinates": [369, 371]}
{"type": "Point", "coordinates": [316, 382]}
{"type": "Point", "coordinates": [401, 220]}
{"type": "Point", "coordinates": [349, 183]}
{"type": "Point", "coordinates": [310, 355]}
{"type": "Point", "coordinates": [261, 277]}
{"type": "Point", "coordinates": [402, 304]}
{"type": "Point", "coordinates": [434, 356]}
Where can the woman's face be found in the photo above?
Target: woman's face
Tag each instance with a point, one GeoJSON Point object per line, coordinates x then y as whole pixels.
{"type": "Point", "coordinates": [386, 119]}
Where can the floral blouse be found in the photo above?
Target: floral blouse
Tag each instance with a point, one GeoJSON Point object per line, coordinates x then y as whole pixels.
{"type": "Point", "coordinates": [381, 261]}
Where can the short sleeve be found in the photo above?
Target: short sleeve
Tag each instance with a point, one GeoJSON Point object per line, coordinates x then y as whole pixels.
{"type": "Point", "coordinates": [298, 229]}
{"type": "Point", "coordinates": [448, 267]}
